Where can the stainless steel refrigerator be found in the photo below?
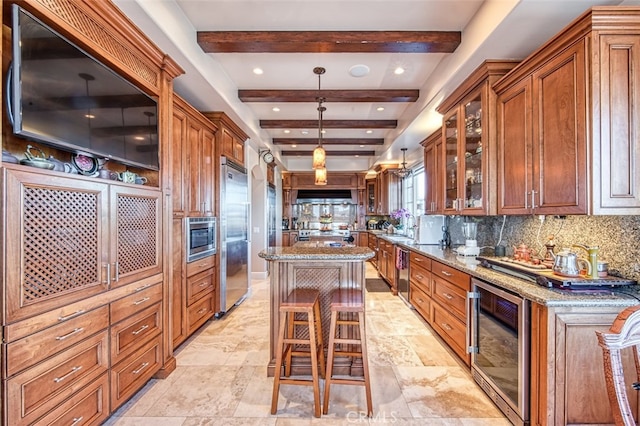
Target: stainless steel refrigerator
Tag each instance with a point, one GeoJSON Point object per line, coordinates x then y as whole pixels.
{"type": "Point", "coordinates": [234, 235]}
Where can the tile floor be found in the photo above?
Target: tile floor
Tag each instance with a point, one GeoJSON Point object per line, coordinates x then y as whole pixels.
{"type": "Point", "coordinates": [221, 377]}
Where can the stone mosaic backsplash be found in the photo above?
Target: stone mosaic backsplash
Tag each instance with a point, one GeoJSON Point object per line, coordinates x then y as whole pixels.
{"type": "Point", "coordinates": [617, 236]}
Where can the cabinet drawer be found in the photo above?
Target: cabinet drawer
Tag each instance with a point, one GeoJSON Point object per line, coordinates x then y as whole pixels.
{"type": "Point", "coordinates": [421, 278]}
{"type": "Point", "coordinates": [120, 309]}
{"type": "Point", "coordinates": [33, 349]}
{"type": "Point", "coordinates": [200, 284]}
{"type": "Point", "coordinates": [134, 371]}
{"type": "Point", "coordinates": [452, 275]}
{"type": "Point", "coordinates": [200, 312]}
{"type": "Point", "coordinates": [200, 265]}
{"type": "Point", "coordinates": [416, 259]}
{"type": "Point", "coordinates": [40, 389]}
{"type": "Point", "coordinates": [452, 330]}
{"type": "Point", "coordinates": [130, 334]}
{"type": "Point", "coordinates": [451, 297]}
{"type": "Point", "coordinates": [90, 406]}
{"type": "Point", "coordinates": [421, 301]}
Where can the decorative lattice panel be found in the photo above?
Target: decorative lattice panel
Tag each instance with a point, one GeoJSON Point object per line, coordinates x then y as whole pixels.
{"type": "Point", "coordinates": [323, 279]}
{"type": "Point", "coordinates": [60, 242]}
{"type": "Point", "coordinates": [137, 233]}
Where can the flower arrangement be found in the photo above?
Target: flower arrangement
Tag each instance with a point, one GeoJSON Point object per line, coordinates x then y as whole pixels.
{"type": "Point", "coordinates": [401, 214]}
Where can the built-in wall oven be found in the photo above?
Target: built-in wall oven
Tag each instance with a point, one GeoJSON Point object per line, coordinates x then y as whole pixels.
{"type": "Point", "coordinates": [500, 339]}
{"type": "Point", "coordinates": [201, 238]}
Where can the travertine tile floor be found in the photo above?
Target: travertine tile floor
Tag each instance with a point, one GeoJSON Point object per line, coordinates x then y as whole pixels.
{"type": "Point", "coordinates": [221, 377]}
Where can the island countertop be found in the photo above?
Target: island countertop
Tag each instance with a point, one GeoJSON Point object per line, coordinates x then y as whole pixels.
{"type": "Point", "coordinates": [311, 250]}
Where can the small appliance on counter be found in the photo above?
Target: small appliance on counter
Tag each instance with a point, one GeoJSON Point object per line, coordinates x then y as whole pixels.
{"type": "Point", "coordinates": [470, 247]}
{"type": "Point", "coordinates": [285, 224]}
{"type": "Point", "coordinates": [430, 229]}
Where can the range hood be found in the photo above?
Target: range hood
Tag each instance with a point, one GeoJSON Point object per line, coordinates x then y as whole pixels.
{"type": "Point", "coordinates": [324, 196]}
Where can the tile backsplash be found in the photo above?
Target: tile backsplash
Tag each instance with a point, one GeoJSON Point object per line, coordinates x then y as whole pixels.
{"type": "Point", "coordinates": [617, 236]}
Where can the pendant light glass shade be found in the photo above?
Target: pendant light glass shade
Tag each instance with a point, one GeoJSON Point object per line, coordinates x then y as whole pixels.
{"type": "Point", "coordinates": [319, 158]}
{"type": "Point", "coordinates": [321, 176]}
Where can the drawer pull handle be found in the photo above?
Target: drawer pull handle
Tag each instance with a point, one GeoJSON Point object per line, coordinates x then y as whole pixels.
{"type": "Point", "coordinates": [141, 288]}
{"type": "Point", "coordinates": [419, 276]}
{"type": "Point", "coordinates": [448, 296]}
{"type": "Point", "coordinates": [204, 284]}
{"type": "Point", "coordinates": [140, 330]}
{"type": "Point", "coordinates": [446, 274]}
{"type": "Point", "coordinates": [75, 331]}
{"type": "Point", "coordinates": [144, 299]}
{"type": "Point", "coordinates": [446, 326]}
{"type": "Point", "coordinates": [73, 370]}
{"type": "Point", "coordinates": [202, 311]}
{"type": "Point", "coordinates": [77, 420]}
{"type": "Point", "coordinates": [73, 315]}
{"type": "Point", "coordinates": [142, 367]}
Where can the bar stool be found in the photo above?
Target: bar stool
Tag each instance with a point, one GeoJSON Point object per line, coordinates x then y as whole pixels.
{"type": "Point", "coordinates": [299, 301]}
{"type": "Point", "coordinates": [347, 301]}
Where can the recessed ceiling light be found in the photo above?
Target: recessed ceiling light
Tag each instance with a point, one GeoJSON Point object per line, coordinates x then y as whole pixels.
{"type": "Point", "coordinates": [380, 109]}
{"type": "Point", "coordinates": [89, 116]}
{"type": "Point", "coordinates": [357, 156]}
{"type": "Point", "coordinates": [305, 132]}
{"type": "Point", "coordinates": [398, 71]}
{"type": "Point", "coordinates": [139, 138]}
{"type": "Point", "coordinates": [369, 132]}
{"type": "Point", "coordinates": [323, 131]}
{"type": "Point", "coordinates": [287, 131]}
{"type": "Point", "coordinates": [294, 146]}
{"type": "Point", "coordinates": [361, 146]}
{"type": "Point", "coordinates": [359, 70]}
{"type": "Point", "coordinates": [258, 71]}
{"type": "Point", "coordinates": [275, 109]}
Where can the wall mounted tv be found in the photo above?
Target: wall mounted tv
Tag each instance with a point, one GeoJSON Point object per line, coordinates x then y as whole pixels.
{"type": "Point", "coordinates": [61, 96]}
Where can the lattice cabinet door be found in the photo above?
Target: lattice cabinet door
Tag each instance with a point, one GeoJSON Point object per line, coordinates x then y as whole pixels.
{"type": "Point", "coordinates": [56, 241]}
{"type": "Point", "coordinates": [135, 233]}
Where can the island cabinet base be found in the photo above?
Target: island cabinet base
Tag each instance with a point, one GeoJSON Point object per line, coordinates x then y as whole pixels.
{"type": "Point", "coordinates": [567, 373]}
{"type": "Point", "coordinates": [324, 275]}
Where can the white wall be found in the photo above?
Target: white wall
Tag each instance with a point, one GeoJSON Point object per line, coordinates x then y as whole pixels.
{"type": "Point", "coordinates": [257, 171]}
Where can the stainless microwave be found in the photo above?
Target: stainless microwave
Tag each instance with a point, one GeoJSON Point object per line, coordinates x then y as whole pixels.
{"type": "Point", "coordinates": [201, 237]}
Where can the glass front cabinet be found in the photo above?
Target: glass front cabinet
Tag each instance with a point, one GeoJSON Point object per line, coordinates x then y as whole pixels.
{"type": "Point", "coordinates": [469, 165]}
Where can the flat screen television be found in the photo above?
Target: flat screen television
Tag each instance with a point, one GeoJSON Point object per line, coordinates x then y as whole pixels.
{"type": "Point", "coordinates": [61, 96]}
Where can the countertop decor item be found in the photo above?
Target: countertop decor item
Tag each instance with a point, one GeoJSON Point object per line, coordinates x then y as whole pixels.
{"type": "Point", "coordinates": [32, 160]}
{"type": "Point", "coordinates": [86, 165]}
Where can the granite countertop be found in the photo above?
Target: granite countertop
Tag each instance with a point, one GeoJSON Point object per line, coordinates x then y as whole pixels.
{"type": "Point", "coordinates": [312, 250]}
{"type": "Point", "coordinates": [620, 296]}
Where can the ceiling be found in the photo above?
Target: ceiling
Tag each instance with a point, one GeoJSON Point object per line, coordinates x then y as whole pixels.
{"type": "Point", "coordinates": [362, 127]}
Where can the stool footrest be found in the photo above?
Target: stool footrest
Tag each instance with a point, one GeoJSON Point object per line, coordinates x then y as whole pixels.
{"type": "Point", "coordinates": [348, 353]}
{"type": "Point", "coordinates": [347, 341]}
{"type": "Point", "coordinates": [347, 322]}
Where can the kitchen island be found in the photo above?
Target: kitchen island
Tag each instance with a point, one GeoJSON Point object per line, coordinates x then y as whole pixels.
{"type": "Point", "coordinates": [318, 266]}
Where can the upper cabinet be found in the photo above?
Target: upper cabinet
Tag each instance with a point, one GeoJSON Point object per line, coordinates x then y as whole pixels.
{"type": "Point", "coordinates": [193, 162]}
{"type": "Point", "coordinates": [230, 138]}
{"type": "Point", "coordinates": [433, 156]}
{"type": "Point", "coordinates": [469, 144]}
{"type": "Point", "coordinates": [566, 114]}
{"type": "Point", "coordinates": [389, 188]}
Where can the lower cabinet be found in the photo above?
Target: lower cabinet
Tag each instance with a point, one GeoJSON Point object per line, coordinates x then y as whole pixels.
{"type": "Point", "coordinates": [448, 307]}
{"type": "Point", "coordinates": [195, 304]}
{"type": "Point", "coordinates": [420, 284]}
{"type": "Point", "coordinates": [372, 242]}
{"type": "Point", "coordinates": [387, 264]}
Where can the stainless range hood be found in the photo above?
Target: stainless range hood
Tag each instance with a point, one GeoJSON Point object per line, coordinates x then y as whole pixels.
{"type": "Point", "coordinates": [324, 196]}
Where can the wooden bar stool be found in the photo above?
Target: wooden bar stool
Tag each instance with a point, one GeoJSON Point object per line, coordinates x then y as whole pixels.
{"type": "Point", "coordinates": [349, 301]}
{"type": "Point", "coordinates": [299, 301]}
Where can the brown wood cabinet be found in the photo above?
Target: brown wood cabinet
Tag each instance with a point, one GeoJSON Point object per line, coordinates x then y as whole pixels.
{"type": "Point", "coordinates": [289, 238]}
{"type": "Point", "coordinates": [468, 169]}
{"type": "Point", "coordinates": [387, 264]}
{"type": "Point", "coordinates": [362, 238]}
{"type": "Point", "coordinates": [567, 373]}
{"type": "Point", "coordinates": [388, 185]}
{"type": "Point", "coordinates": [373, 245]}
{"type": "Point", "coordinates": [372, 196]}
{"type": "Point", "coordinates": [230, 138]}
{"type": "Point", "coordinates": [566, 116]}
{"type": "Point", "coordinates": [420, 285]}
{"type": "Point", "coordinates": [448, 308]}
{"type": "Point", "coordinates": [433, 172]}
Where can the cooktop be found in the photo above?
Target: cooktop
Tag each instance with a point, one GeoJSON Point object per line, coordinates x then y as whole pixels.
{"type": "Point", "coordinates": [545, 277]}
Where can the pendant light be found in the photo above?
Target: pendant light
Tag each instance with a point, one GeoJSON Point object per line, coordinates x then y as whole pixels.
{"type": "Point", "coordinates": [403, 172]}
{"type": "Point", "coordinates": [319, 155]}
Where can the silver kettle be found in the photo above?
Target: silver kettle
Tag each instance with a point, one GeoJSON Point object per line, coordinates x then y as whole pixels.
{"type": "Point", "coordinates": [568, 263]}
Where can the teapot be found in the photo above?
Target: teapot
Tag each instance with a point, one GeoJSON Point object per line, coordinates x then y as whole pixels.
{"type": "Point", "coordinates": [568, 263]}
{"type": "Point", "coordinates": [127, 177]}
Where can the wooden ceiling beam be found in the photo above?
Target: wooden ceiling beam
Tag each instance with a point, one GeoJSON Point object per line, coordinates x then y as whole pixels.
{"type": "Point", "coordinates": [329, 124]}
{"type": "Point", "coordinates": [328, 141]}
{"type": "Point", "coordinates": [256, 95]}
{"type": "Point", "coordinates": [294, 153]}
{"type": "Point", "coordinates": [329, 41]}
